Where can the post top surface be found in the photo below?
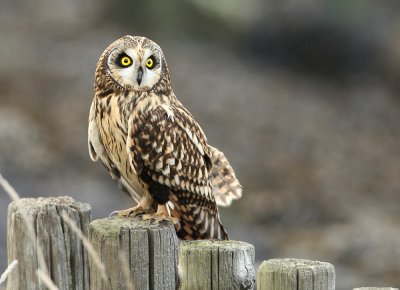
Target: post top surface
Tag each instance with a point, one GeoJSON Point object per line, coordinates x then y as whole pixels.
{"type": "Point", "coordinates": [39, 202]}
{"type": "Point", "coordinates": [292, 263]}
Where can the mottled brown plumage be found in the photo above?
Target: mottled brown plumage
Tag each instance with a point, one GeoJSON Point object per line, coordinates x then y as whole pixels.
{"type": "Point", "coordinates": [152, 146]}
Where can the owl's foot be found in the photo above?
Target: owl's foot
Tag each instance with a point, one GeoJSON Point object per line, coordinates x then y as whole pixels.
{"type": "Point", "coordinates": [158, 217]}
{"type": "Point", "coordinates": [162, 214]}
{"type": "Point", "coordinates": [130, 212]}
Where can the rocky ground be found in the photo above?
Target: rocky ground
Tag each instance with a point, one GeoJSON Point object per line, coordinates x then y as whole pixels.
{"type": "Point", "coordinates": [302, 96]}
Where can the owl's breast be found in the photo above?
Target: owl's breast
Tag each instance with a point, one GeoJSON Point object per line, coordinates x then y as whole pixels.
{"type": "Point", "coordinates": [113, 133]}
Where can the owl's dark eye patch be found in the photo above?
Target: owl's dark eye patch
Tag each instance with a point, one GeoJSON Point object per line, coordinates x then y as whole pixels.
{"type": "Point", "coordinates": [123, 60]}
{"type": "Point", "coordinates": [151, 62]}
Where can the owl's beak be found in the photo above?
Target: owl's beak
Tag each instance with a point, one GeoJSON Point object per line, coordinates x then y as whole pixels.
{"type": "Point", "coordinates": [139, 75]}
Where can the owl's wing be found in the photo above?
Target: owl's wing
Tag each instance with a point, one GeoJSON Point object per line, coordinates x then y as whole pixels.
{"type": "Point", "coordinates": [225, 185]}
{"type": "Point", "coordinates": [95, 144]}
{"type": "Point", "coordinates": [168, 150]}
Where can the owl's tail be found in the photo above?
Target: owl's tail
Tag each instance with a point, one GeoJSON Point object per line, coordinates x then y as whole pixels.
{"type": "Point", "coordinates": [209, 227]}
{"type": "Point", "coordinates": [225, 185]}
{"type": "Point", "coordinates": [197, 222]}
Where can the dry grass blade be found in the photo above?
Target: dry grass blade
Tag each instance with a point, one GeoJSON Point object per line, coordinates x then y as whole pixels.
{"type": "Point", "coordinates": [9, 269]}
{"type": "Point", "coordinates": [46, 280]}
{"type": "Point", "coordinates": [125, 268]}
{"type": "Point", "coordinates": [8, 188]}
{"type": "Point", "coordinates": [32, 234]}
{"type": "Point", "coordinates": [88, 246]}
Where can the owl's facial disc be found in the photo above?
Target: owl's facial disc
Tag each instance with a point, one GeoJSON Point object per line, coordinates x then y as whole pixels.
{"type": "Point", "coordinates": [136, 68]}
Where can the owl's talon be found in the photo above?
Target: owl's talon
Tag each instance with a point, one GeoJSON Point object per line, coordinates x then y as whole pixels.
{"type": "Point", "coordinates": [136, 214]}
{"type": "Point", "coordinates": [113, 214]}
{"type": "Point", "coordinates": [160, 217]}
{"type": "Point", "coordinates": [130, 212]}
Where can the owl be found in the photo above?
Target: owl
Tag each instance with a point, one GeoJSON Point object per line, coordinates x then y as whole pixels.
{"type": "Point", "coordinates": [152, 146]}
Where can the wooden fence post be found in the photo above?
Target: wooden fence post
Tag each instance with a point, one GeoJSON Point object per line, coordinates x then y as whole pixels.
{"type": "Point", "coordinates": [137, 254]}
{"type": "Point", "coordinates": [288, 274]}
{"type": "Point", "coordinates": [37, 235]}
{"type": "Point", "coordinates": [210, 264]}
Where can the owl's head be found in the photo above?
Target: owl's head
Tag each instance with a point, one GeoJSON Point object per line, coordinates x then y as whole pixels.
{"type": "Point", "coordinates": [131, 63]}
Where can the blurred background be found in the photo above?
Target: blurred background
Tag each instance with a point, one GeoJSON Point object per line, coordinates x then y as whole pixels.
{"type": "Point", "coordinates": [302, 96]}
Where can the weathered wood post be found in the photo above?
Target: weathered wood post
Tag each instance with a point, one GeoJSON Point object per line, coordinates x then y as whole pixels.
{"type": "Point", "coordinates": [137, 254]}
{"type": "Point", "coordinates": [210, 264]}
{"type": "Point", "coordinates": [288, 274]}
{"type": "Point", "coordinates": [38, 237]}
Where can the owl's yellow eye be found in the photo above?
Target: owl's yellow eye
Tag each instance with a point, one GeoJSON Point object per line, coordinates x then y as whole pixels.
{"type": "Point", "coordinates": [150, 62]}
{"type": "Point", "coordinates": [126, 61]}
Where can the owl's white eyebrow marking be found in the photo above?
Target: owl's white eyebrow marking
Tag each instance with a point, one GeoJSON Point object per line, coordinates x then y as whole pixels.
{"type": "Point", "coordinates": [132, 53]}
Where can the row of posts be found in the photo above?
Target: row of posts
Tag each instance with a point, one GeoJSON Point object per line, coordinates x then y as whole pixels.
{"type": "Point", "coordinates": [47, 236]}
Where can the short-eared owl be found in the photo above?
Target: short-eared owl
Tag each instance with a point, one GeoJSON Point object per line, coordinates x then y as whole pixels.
{"type": "Point", "coordinates": [151, 144]}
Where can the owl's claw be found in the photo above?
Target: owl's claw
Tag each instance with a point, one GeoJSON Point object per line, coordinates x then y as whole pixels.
{"type": "Point", "coordinates": [130, 212]}
{"type": "Point", "coordinates": [113, 214]}
{"type": "Point", "coordinates": [161, 215]}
